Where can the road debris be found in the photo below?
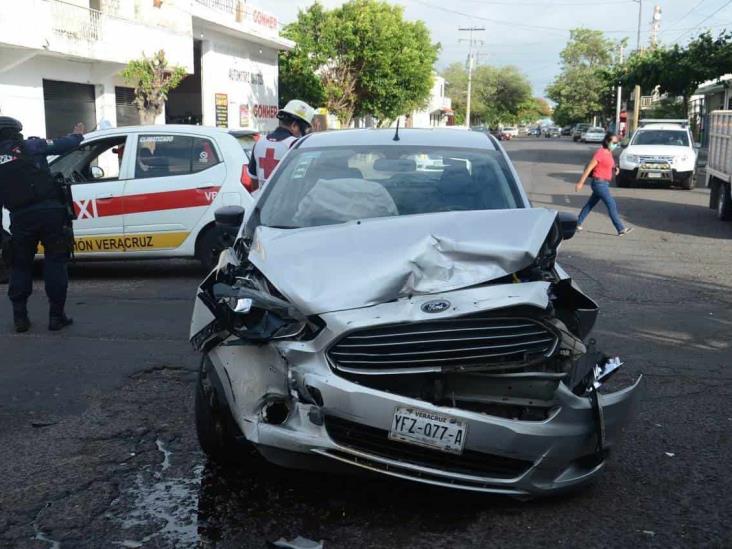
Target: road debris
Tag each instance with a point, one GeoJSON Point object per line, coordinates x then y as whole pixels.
{"type": "Point", "coordinates": [298, 543]}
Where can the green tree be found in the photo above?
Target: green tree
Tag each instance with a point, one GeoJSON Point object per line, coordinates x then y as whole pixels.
{"type": "Point", "coordinates": [499, 94]}
{"type": "Point", "coordinates": [534, 109]}
{"type": "Point", "coordinates": [360, 59]}
{"type": "Point", "coordinates": [678, 71]}
{"type": "Point", "coordinates": [152, 79]}
{"type": "Point", "coordinates": [579, 88]}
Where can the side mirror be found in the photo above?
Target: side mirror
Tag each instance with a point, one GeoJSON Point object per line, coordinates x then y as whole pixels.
{"type": "Point", "coordinates": [697, 146]}
{"type": "Point", "coordinates": [228, 220]}
{"type": "Point", "coordinates": [567, 224]}
{"type": "Point", "coordinates": [97, 172]}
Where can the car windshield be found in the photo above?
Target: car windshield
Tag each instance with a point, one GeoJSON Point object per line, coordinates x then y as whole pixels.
{"type": "Point", "coordinates": [596, 130]}
{"type": "Point", "coordinates": [676, 138]}
{"type": "Point", "coordinates": [325, 186]}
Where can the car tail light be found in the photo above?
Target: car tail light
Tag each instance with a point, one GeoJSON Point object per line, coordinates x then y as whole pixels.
{"type": "Point", "coordinates": [249, 184]}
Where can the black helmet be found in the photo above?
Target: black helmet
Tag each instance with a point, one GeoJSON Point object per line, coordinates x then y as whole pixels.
{"type": "Point", "coordinates": [11, 123]}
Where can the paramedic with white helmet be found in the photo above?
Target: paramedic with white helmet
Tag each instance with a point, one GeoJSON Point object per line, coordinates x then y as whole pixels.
{"type": "Point", "coordinates": [295, 121]}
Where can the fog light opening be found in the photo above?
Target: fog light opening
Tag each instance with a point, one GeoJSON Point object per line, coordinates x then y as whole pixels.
{"type": "Point", "coordinates": [275, 412]}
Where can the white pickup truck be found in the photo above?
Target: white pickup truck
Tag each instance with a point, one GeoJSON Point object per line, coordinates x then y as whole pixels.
{"type": "Point", "coordinates": [719, 163]}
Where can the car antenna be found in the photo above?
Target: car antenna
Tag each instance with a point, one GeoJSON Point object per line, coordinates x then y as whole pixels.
{"type": "Point", "coordinates": [396, 134]}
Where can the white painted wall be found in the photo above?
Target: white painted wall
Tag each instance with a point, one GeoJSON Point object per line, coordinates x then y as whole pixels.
{"type": "Point", "coordinates": [21, 89]}
{"type": "Point", "coordinates": [223, 57]}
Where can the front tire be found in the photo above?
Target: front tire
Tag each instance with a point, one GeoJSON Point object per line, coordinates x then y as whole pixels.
{"type": "Point", "coordinates": [724, 202]}
{"type": "Point", "coordinates": [687, 183]}
{"type": "Point", "coordinates": [208, 248]}
{"type": "Point", "coordinates": [215, 427]}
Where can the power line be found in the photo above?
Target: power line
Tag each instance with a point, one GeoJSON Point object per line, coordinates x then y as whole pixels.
{"type": "Point", "coordinates": [687, 14]}
{"type": "Point", "coordinates": [703, 21]}
{"type": "Point", "coordinates": [515, 24]}
{"type": "Point", "coordinates": [541, 4]}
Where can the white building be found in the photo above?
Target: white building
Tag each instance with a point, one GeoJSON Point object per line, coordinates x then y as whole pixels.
{"type": "Point", "coordinates": [438, 112]}
{"type": "Point", "coordinates": [60, 61]}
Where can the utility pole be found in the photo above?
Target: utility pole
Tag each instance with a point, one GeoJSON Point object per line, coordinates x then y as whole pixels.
{"type": "Point", "coordinates": [655, 25]}
{"type": "Point", "coordinates": [620, 96]}
{"type": "Point", "coordinates": [471, 59]}
{"type": "Point", "coordinates": [640, 14]}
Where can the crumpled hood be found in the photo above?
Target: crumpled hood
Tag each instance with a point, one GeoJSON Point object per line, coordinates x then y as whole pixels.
{"type": "Point", "coordinates": [362, 263]}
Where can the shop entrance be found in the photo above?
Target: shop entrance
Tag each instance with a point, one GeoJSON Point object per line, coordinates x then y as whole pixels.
{"type": "Point", "coordinates": [184, 102]}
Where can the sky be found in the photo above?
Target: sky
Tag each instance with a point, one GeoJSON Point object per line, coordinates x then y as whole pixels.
{"type": "Point", "coordinates": [531, 33]}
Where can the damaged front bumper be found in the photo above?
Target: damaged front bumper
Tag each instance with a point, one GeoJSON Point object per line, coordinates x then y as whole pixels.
{"type": "Point", "coordinates": [530, 431]}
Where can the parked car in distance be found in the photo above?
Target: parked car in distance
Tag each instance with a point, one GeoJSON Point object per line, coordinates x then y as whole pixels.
{"type": "Point", "coordinates": [593, 135]}
{"type": "Point", "coordinates": [500, 134]}
{"type": "Point", "coordinates": [511, 131]}
{"type": "Point", "coordinates": [578, 130]}
{"type": "Point", "coordinates": [659, 151]}
{"type": "Point", "coordinates": [466, 365]}
{"type": "Point", "coordinates": [719, 164]}
{"type": "Point", "coordinates": [150, 191]}
{"type": "Point", "coordinates": [552, 131]}
{"type": "Point", "coordinates": [567, 130]}
{"type": "Point", "coordinates": [536, 131]}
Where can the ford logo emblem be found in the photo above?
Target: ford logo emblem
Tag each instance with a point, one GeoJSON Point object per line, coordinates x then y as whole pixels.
{"type": "Point", "coordinates": [436, 306]}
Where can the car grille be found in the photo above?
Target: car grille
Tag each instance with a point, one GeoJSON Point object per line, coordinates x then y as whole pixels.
{"type": "Point", "coordinates": [656, 159]}
{"type": "Point", "coordinates": [437, 345]}
{"type": "Point", "coordinates": [376, 442]}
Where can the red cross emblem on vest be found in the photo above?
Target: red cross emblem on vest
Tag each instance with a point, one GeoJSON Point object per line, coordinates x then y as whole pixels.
{"type": "Point", "coordinates": [268, 162]}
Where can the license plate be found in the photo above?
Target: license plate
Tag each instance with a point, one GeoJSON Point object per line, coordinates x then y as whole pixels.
{"type": "Point", "coordinates": [655, 175]}
{"type": "Point", "coordinates": [428, 429]}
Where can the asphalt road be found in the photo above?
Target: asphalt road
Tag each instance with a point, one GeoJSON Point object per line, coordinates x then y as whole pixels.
{"type": "Point", "coordinates": [96, 423]}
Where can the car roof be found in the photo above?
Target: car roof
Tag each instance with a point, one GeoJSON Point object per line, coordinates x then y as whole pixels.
{"type": "Point", "coordinates": [655, 127]}
{"type": "Point", "coordinates": [434, 137]}
{"type": "Point", "coordinates": [167, 128]}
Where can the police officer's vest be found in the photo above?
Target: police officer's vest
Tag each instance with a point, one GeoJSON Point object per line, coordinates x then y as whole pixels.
{"type": "Point", "coordinates": [22, 183]}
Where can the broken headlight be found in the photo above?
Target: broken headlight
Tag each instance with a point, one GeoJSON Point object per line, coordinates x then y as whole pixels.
{"type": "Point", "coordinates": [256, 316]}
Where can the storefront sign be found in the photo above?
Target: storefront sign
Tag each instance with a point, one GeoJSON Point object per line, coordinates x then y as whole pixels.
{"type": "Point", "coordinates": [257, 79]}
{"type": "Point", "coordinates": [244, 116]}
{"type": "Point", "coordinates": [264, 19]}
{"type": "Point", "coordinates": [265, 111]}
{"type": "Point", "coordinates": [222, 110]}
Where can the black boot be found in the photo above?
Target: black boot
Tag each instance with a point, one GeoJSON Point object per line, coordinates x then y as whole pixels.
{"type": "Point", "coordinates": [56, 323]}
{"type": "Point", "coordinates": [21, 320]}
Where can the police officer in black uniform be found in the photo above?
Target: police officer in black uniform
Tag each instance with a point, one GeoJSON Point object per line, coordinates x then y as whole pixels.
{"type": "Point", "coordinates": [37, 214]}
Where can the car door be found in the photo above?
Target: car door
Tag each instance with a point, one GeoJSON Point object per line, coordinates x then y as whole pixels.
{"type": "Point", "coordinates": [97, 171]}
{"type": "Point", "coordinates": [176, 178]}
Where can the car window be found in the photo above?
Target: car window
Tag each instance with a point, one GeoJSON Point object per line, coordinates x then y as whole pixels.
{"type": "Point", "coordinates": [93, 162]}
{"type": "Point", "coordinates": [173, 155]}
{"type": "Point", "coordinates": [339, 184]}
{"type": "Point", "coordinates": [678, 138]}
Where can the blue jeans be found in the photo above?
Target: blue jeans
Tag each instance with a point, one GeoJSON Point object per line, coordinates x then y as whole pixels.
{"type": "Point", "coordinates": [601, 191]}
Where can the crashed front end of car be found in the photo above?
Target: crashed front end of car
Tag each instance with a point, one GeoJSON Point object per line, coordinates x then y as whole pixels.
{"type": "Point", "coordinates": [447, 349]}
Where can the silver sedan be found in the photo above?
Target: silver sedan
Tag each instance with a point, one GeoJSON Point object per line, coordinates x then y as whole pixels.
{"type": "Point", "coordinates": [393, 304]}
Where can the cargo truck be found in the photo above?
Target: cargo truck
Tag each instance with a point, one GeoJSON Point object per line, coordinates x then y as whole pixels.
{"type": "Point", "coordinates": [719, 163]}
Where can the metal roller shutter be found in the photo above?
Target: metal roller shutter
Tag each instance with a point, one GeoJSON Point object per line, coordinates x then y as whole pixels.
{"type": "Point", "coordinates": [67, 103]}
{"type": "Point", "coordinates": [127, 114]}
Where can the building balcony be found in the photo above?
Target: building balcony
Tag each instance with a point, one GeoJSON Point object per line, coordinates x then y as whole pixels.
{"type": "Point", "coordinates": [54, 27]}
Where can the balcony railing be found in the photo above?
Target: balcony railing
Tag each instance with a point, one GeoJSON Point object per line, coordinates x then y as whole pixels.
{"type": "Point", "coordinates": [75, 22]}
